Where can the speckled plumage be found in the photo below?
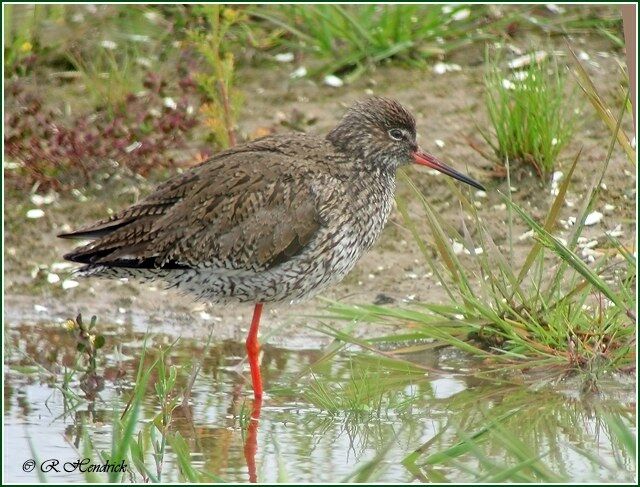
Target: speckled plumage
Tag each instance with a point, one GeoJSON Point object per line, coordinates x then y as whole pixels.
{"type": "Point", "coordinates": [276, 219]}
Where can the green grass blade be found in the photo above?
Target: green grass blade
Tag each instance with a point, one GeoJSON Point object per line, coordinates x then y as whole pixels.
{"type": "Point", "coordinates": [589, 89]}
{"type": "Point", "coordinates": [466, 445]}
{"type": "Point", "coordinates": [551, 219]}
{"type": "Point", "coordinates": [567, 256]}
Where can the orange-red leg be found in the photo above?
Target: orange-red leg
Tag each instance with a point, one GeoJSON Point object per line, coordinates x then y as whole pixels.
{"type": "Point", "coordinates": [253, 352]}
{"type": "Point", "coordinates": [251, 444]}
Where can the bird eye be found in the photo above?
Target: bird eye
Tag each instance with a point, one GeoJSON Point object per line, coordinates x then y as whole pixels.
{"type": "Point", "coordinates": [396, 134]}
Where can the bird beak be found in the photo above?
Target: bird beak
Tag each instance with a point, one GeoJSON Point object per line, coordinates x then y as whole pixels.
{"type": "Point", "coordinates": [426, 159]}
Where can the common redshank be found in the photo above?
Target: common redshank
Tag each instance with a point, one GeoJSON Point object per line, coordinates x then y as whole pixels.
{"type": "Point", "coordinates": [276, 219]}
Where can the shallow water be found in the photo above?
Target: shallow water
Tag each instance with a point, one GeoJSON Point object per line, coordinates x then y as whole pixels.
{"type": "Point", "coordinates": [325, 417]}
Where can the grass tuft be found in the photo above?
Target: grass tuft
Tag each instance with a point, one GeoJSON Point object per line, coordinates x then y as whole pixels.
{"type": "Point", "coordinates": [531, 115]}
{"type": "Point", "coordinates": [348, 38]}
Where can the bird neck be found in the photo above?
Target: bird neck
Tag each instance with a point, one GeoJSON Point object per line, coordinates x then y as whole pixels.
{"type": "Point", "coordinates": [358, 146]}
{"type": "Point", "coordinates": [375, 185]}
{"type": "Point", "coordinates": [344, 138]}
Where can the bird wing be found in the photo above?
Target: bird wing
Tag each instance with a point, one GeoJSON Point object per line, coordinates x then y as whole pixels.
{"type": "Point", "coordinates": [241, 210]}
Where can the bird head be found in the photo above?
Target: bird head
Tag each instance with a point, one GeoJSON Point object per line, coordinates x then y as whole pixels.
{"type": "Point", "coordinates": [382, 133]}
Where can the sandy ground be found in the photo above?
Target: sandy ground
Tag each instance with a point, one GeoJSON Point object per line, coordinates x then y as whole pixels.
{"type": "Point", "coordinates": [448, 108]}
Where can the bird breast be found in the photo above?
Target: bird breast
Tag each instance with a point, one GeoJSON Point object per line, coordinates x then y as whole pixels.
{"type": "Point", "coordinates": [354, 214]}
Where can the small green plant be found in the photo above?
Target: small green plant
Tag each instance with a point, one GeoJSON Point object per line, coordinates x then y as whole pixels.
{"type": "Point", "coordinates": [361, 396]}
{"type": "Point", "coordinates": [88, 341]}
{"type": "Point", "coordinates": [216, 81]}
{"type": "Point", "coordinates": [588, 20]}
{"type": "Point", "coordinates": [347, 38]}
{"type": "Point", "coordinates": [17, 50]}
{"type": "Point", "coordinates": [109, 77]}
{"type": "Point", "coordinates": [143, 447]}
{"type": "Point", "coordinates": [125, 44]}
{"type": "Point", "coordinates": [531, 115]}
{"type": "Point", "coordinates": [373, 386]}
{"type": "Point", "coordinates": [22, 25]}
{"type": "Point", "coordinates": [165, 394]}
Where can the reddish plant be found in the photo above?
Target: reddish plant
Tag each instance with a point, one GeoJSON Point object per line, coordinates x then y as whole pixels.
{"type": "Point", "coordinates": [56, 153]}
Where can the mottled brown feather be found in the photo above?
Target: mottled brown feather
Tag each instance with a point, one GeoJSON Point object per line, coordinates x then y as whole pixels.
{"type": "Point", "coordinates": [244, 209]}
